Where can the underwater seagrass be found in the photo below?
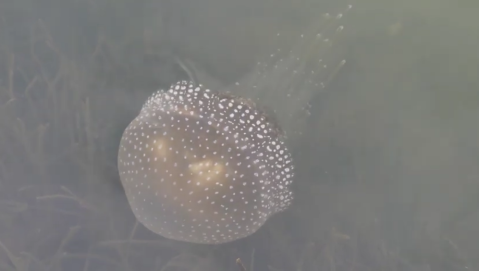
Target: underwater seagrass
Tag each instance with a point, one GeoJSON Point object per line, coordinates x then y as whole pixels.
{"type": "Point", "coordinates": [209, 167]}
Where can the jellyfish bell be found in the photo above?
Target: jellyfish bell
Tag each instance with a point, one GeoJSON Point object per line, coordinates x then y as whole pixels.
{"type": "Point", "coordinates": [211, 167]}
{"type": "Point", "coordinates": [204, 167]}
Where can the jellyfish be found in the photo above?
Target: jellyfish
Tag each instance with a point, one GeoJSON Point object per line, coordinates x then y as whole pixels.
{"type": "Point", "coordinates": [212, 166]}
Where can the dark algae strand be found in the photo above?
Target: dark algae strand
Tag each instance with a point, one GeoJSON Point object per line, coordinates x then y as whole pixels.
{"type": "Point", "coordinates": [204, 167]}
